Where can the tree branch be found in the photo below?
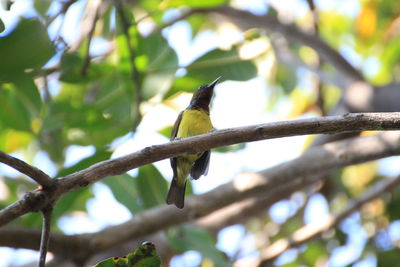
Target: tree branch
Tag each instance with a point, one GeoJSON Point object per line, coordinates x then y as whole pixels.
{"type": "Point", "coordinates": [65, 6]}
{"type": "Point", "coordinates": [310, 165]}
{"type": "Point", "coordinates": [273, 184]}
{"type": "Point", "coordinates": [45, 236]}
{"type": "Point", "coordinates": [183, 16]}
{"type": "Point", "coordinates": [37, 175]}
{"type": "Point", "coordinates": [99, 6]}
{"type": "Point", "coordinates": [334, 124]}
{"type": "Point", "coordinates": [241, 211]}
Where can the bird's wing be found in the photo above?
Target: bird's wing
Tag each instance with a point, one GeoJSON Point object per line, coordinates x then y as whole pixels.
{"type": "Point", "coordinates": [200, 166]}
{"type": "Point", "coordinates": [176, 126]}
{"type": "Point", "coordinates": [173, 136]}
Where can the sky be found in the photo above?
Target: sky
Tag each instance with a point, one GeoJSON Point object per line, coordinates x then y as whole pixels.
{"type": "Point", "coordinates": [225, 114]}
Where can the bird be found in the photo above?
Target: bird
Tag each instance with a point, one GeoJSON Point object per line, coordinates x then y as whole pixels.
{"type": "Point", "coordinates": [194, 120]}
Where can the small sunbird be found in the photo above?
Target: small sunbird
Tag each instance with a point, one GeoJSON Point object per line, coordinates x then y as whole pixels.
{"type": "Point", "coordinates": [194, 120]}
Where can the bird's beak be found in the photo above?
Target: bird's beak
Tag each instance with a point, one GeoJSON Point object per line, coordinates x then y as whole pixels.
{"type": "Point", "coordinates": [211, 85]}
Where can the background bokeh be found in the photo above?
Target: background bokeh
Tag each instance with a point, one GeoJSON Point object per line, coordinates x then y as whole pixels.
{"type": "Point", "coordinates": [74, 91]}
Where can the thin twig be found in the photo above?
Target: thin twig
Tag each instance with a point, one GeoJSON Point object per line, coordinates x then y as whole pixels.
{"type": "Point", "coordinates": [135, 75]}
{"type": "Point", "coordinates": [45, 236]}
{"type": "Point", "coordinates": [62, 12]}
{"type": "Point", "coordinates": [100, 6]}
{"type": "Point", "coordinates": [92, 27]}
{"type": "Point", "coordinates": [179, 18]}
{"type": "Point", "coordinates": [310, 231]}
{"type": "Point", "coordinates": [37, 175]}
{"type": "Point", "coordinates": [284, 55]}
{"type": "Point", "coordinates": [319, 62]}
{"type": "Point", "coordinates": [46, 90]}
{"type": "Point", "coordinates": [66, 5]}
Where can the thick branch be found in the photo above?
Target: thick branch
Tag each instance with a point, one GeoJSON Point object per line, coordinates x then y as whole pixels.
{"type": "Point", "coordinates": [39, 176]}
{"type": "Point", "coordinates": [271, 182]}
{"type": "Point", "coordinates": [331, 125]}
{"type": "Point", "coordinates": [310, 165]}
{"type": "Point", "coordinates": [334, 124]}
{"type": "Point", "coordinates": [241, 211]}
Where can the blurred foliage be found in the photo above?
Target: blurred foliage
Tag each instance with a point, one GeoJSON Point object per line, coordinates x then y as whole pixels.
{"type": "Point", "coordinates": [186, 238]}
{"type": "Point", "coordinates": [146, 190]}
{"type": "Point", "coordinates": [52, 101]}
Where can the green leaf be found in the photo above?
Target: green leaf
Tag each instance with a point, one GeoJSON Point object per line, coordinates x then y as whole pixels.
{"type": "Point", "coordinates": [41, 6]}
{"type": "Point", "coordinates": [225, 63]}
{"type": "Point", "coordinates": [198, 22]}
{"type": "Point", "coordinates": [160, 56]}
{"type": "Point", "coordinates": [106, 22]}
{"type": "Point", "coordinates": [144, 256]}
{"type": "Point", "coordinates": [166, 131]}
{"type": "Point", "coordinates": [2, 26]}
{"type": "Point", "coordinates": [159, 62]}
{"type": "Point", "coordinates": [30, 220]}
{"type": "Point", "coordinates": [82, 123]}
{"type": "Point", "coordinates": [125, 191]}
{"type": "Point", "coordinates": [188, 237]}
{"type": "Point", "coordinates": [28, 46]}
{"type": "Point", "coordinates": [13, 113]}
{"type": "Point", "coordinates": [392, 208]}
{"type": "Point", "coordinates": [151, 186]}
{"type": "Point", "coordinates": [28, 93]}
{"type": "Point", "coordinates": [20, 101]}
{"type": "Point", "coordinates": [150, 5]}
{"type": "Point", "coordinates": [71, 68]}
{"type": "Point", "coordinates": [315, 250]}
{"type": "Point", "coordinates": [387, 258]}
{"type": "Point", "coordinates": [286, 78]}
{"type": "Point", "coordinates": [114, 262]}
{"type": "Point", "coordinates": [13, 186]}
{"type": "Point", "coordinates": [73, 201]}
{"type": "Point", "coordinates": [185, 84]}
{"type": "Point", "coordinates": [114, 99]}
{"type": "Point", "coordinates": [207, 68]}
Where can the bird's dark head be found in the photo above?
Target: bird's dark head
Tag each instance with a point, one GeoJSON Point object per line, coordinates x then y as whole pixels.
{"type": "Point", "coordinates": [202, 96]}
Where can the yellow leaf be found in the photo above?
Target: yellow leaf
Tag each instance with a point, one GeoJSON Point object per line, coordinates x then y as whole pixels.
{"type": "Point", "coordinates": [15, 140]}
{"type": "Point", "coordinates": [366, 22]}
{"type": "Point", "coordinates": [301, 102]}
{"type": "Point", "coordinates": [357, 177]}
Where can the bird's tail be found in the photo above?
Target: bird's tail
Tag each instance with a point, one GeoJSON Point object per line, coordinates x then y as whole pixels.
{"type": "Point", "coordinates": [176, 194]}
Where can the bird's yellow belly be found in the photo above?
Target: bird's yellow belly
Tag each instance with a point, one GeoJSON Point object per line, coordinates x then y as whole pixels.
{"type": "Point", "coordinates": [194, 122]}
